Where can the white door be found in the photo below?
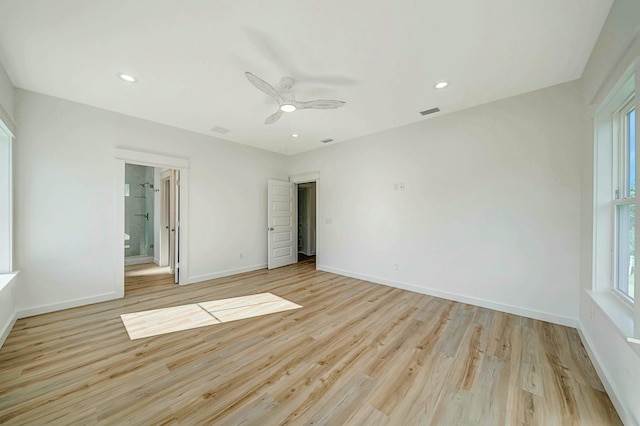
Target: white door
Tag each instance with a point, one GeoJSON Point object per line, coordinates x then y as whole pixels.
{"type": "Point", "coordinates": [171, 222]}
{"type": "Point", "coordinates": [165, 221]}
{"type": "Point", "coordinates": [176, 178]}
{"type": "Point", "coordinates": [281, 221]}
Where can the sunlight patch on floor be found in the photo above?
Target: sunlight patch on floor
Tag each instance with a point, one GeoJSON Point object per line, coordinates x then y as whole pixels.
{"type": "Point", "coordinates": [185, 317]}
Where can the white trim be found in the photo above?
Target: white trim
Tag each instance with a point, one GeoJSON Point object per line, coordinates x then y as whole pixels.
{"type": "Point", "coordinates": [123, 156]}
{"type": "Point", "coordinates": [7, 123]}
{"type": "Point", "coordinates": [6, 263]}
{"type": "Point", "coordinates": [151, 159]}
{"type": "Point", "coordinates": [304, 177]}
{"type": "Point", "coordinates": [483, 303]}
{"type": "Point", "coordinates": [206, 277]}
{"type": "Point", "coordinates": [5, 286]}
{"type": "Point", "coordinates": [5, 279]}
{"type": "Point", "coordinates": [53, 307]}
{"type": "Point", "coordinates": [138, 260]}
{"type": "Point", "coordinates": [605, 378]}
{"type": "Point", "coordinates": [7, 328]}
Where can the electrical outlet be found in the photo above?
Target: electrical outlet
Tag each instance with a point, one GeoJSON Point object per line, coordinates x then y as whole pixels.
{"type": "Point", "coordinates": [241, 255]}
{"type": "Point", "coordinates": [396, 266]}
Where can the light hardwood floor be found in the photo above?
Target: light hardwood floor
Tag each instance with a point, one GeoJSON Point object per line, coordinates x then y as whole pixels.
{"type": "Point", "coordinates": [355, 353]}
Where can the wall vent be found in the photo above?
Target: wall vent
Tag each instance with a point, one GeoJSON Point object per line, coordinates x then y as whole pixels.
{"type": "Point", "coordinates": [430, 111]}
{"type": "Point", "coordinates": [219, 129]}
{"type": "Point", "coordinates": [326, 140]}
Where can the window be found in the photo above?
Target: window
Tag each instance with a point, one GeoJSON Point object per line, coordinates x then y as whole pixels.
{"type": "Point", "coordinates": [614, 196]}
{"type": "Point", "coordinates": [624, 201]}
{"type": "Point", "coordinates": [5, 200]}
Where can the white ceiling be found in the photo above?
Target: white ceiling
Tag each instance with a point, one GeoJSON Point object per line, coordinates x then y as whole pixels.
{"type": "Point", "coordinates": [382, 57]}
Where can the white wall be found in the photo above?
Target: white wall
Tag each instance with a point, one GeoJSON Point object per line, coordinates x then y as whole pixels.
{"type": "Point", "coordinates": [490, 212]}
{"type": "Point", "coordinates": [65, 198]}
{"type": "Point", "coordinates": [619, 366]}
{"type": "Point", "coordinates": [7, 93]}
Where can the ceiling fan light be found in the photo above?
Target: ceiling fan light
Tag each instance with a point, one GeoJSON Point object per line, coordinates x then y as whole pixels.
{"type": "Point", "coordinates": [287, 108]}
{"type": "Point", "coordinates": [441, 85]}
{"type": "Point", "coordinates": [127, 77]}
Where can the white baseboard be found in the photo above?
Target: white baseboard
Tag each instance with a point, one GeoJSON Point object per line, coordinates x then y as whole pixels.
{"type": "Point", "coordinates": [137, 260]}
{"type": "Point", "coordinates": [200, 278]}
{"type": "Point", "coordinates": [44, 309]}
{"type": "Point", "coordinates": [605, 378]}
{"type": "Point", "coordinates": [516, 310]}
{"type": "Point", "coordinates": [7, 328]}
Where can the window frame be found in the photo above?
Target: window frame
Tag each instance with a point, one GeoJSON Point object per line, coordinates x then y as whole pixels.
{"type": "Point", "coordinates": [621, 191]}
{"type": "Point", "coordinates": [6, 193]}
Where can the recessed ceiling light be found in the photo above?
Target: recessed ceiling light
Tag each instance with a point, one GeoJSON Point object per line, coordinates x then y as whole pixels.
{"type": "Point", "coordinates": [127, 77]}
{"type": "Point", "coordinates": [441, 85]}
{"type": "Point", "coordinates": [287, 108]}
{"type": "Point", "coordinates": [294, 135]}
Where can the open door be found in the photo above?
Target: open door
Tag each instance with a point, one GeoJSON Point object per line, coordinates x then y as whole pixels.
{"type": "Point", "coordinates": [171, 188]}
{"type": "Point", "coordinates": [165, 221]}
{"type": "Point", "coordinates": [176, 178]}
{"type": "Point", "coordinates": [281, 219]}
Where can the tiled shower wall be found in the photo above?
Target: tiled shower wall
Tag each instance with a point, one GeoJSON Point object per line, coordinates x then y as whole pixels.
{"type": "Point", "coordinates": [138, 210]}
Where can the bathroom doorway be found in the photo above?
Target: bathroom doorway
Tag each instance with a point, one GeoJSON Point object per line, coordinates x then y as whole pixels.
{"type": "Point", "coordinates": [139, 215]}
{"type": "Point", "coordinates": [179, 224]}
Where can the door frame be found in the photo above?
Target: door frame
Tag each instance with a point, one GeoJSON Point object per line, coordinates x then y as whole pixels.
{"type": "Point", "coordinates": [127, 156]}
{"type": "Point", "coordinates": [309, 177]}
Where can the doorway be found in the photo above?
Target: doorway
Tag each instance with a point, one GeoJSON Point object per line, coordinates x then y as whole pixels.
{"type": "Point", "coordinates": [139, 195]}
{"type": "Point", "coordinates": [284, 245]}
{"type": "Point", "coordinates": [152, 207]}
{"type": "Point", "coordinates": [307, 222]}
{"type": "Point", "coordinates": [178, 202]}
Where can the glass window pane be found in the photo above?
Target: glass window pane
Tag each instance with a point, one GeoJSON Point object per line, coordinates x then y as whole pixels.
{"type": "Point", "coordinates": [625, 253]}
{"type": "Point", "coordinates": [630, 142]}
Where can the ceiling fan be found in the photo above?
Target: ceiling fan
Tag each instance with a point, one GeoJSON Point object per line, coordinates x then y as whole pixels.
{"type": "Point", "coordinates": [286, 100]}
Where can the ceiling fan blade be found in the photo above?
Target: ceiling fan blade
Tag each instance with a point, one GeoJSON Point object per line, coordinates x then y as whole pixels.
{"type": "Point", "coordinates": [320, 104]}
{"type": "Point", "coordinates": [274, 117]}
{"type": "Point", "coordinates": [263, 86]}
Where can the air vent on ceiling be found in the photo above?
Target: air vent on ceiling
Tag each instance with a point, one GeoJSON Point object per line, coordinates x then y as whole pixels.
{"type": "Point", "coordinates": [326, 140]}
{"type": "Point", "coordinates": [219, 129]}
{"type": "Point", "coordinates": [430, 111]}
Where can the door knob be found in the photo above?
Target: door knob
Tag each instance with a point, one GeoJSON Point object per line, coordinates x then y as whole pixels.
{"type": "Point", "coordinates": [272, 229]}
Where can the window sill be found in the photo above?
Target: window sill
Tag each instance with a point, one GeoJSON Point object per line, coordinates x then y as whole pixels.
{"type": "Point", "coordinates": [5, 279]}
{"type": "Point", "coordinates": [619, 314]}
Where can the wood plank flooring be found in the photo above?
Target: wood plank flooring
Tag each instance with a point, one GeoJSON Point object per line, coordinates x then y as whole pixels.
{"type": "Point", "coordinates": [356, 353]}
